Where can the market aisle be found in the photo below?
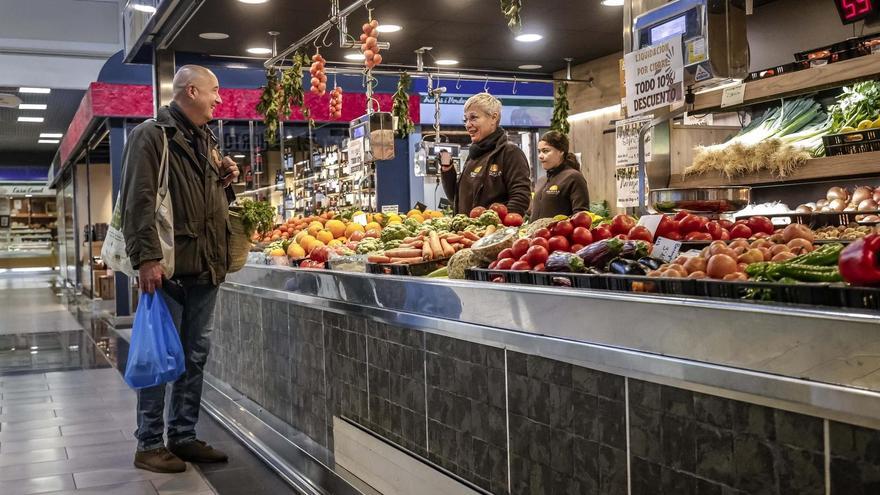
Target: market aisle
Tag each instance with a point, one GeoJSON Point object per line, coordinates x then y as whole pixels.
{"type": "Point", "coordinates": [66, 416]}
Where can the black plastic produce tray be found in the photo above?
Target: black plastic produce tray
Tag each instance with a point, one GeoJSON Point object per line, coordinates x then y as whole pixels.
{"type": "Point", "coordinates": [857, 297]}
{"type": "Point", "coordinates": [573, 280]}
{"type": "Point", "coordinates": [413, 270]}
{"type": "Point", "coordinates": [810, 294]}
{"type": "Point", "coordinates": [653, 285]}
{"type": "Point", "coordinates": [508, 276]}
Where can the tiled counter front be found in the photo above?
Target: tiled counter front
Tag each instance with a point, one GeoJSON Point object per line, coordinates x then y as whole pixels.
{"type": "Point", "coordinates": [509, 422]}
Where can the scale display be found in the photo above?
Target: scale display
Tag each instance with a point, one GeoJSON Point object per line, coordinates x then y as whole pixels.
{"type": "Point", "coordinates": [855, 10]}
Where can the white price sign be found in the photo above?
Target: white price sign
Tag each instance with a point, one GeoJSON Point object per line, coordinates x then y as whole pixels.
{"type": "Point", "coordinates": [626, 140]}
{"type": "Point", "coordinates": [628, 186]}
{"type": "Point", "coordinates": [388, 209]}
{"type": "Point", "coordinates": [654, 76]}
{"type": "Point", "coordinates": [360, 220]}
{"type": "Point", "coordinates": [356, 152]}
{"type": "Point", "coordinates": [651, 222]}
{"type": "Point", "coordinates": [666, 249]}
{"type": "Point", "coordinates": [733, 95]}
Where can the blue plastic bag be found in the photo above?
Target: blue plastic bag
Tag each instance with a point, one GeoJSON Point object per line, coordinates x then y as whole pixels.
{"type": "Point", "coordinates": [155, 355]}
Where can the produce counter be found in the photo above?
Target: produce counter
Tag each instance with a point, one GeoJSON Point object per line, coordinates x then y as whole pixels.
{"type": "Point", "coordinates": [516, 389]}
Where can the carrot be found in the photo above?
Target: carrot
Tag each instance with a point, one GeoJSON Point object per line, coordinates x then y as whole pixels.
{"type": "Point", "coordinates": [406, 260]}
{"type": "Point", "coordinates": [457, 246]}
{"type": "Point", "coordinates": [467, 242]}
{"type": "Point", "coordinates": [427, 253]}
{"type": "Point", "coordinates": [435, 245]}
{"type": "Point", "coordinates": [470, 235]}
{"type": "Point", "coordinates": [378, 259]}
{"type": "Point", "coordinates": [452, 238]}
{"type": "Point", "coordinates": [447, 248]}
{"type": "Point", "coordinates": [403, 253]}
{"type": "Point", "coordinates": [412, 245]}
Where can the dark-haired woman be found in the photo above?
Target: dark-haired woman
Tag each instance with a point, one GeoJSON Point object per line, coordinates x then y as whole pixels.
{"type": "Point", "coordinates": [564, 190]}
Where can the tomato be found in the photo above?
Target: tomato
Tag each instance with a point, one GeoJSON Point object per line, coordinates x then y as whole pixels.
{"type": "Point", "coordinates": [545, 233]}
{"type": "Point", "coordinates": [504, 264]}
{"type": "Point", "coordinates": [520, 246]}
{"type": "Point", "coordinates": [540, 241]}
{"type": "Point", "coordinates": [500, 209]}
{"type": "Point", "coordinates": [600, 233]}
{"type": "Point", "coordinates": [563, 228]}
{"type": "Point", "coordinates": [582, 219]}
{"type": "Point", "coordinates": [476, 212]}
{"type": "Point", "coordinates": [537, 255]}
{"type": "Point", "coordinates": [640, 233]}
{"type": "Point", "coordinates": [760, 224]}
{"type": "Point", "coordinates": [714, 229]}
{"type": "Point", "coordinates": [581, 235]}
{"type": "Point", "coordinates": [666, 226]}
{"type": "Point", "coordinates": [576, 247]}
{"type": "Point", "coordinates": [690, 223]}
{"type": "Point", "coordinates": [721, 265]}
{"type": "Point", "coordinates": [521, 266]}
{"type": "Point", "coordinates": [493, 264]}
{"type": "Point", "coordinates": [740, 231]}
{"type": "Point", "coordinates": [621, 224]}
{"type": "Point", "coordinates": [539, 267]}
{"type": "Point", "coordinates": [726, 224]}
{"type": "Point", "coordinates": [698, 236]}
{"type": "Point", "coordinates": [674, 236]}
{"type": "Point", "coordinates": [507, 253]}
{"type": "Point", "coordinates": [559, 243]}
{"type": "Point", "coordinates": [725, 235]}
{"type": "Point", "coordinates": [512, 220]}
{"type": "Point", "coordinates": [681, 214]}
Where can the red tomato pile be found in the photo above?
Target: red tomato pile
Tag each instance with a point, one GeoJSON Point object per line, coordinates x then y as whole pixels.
{"type": "Point", "coordinates": [686, 226]}
{"type": "Point", "coordinates": [507, 219]}
{"type": "Point", "coordinates": [531, 253]}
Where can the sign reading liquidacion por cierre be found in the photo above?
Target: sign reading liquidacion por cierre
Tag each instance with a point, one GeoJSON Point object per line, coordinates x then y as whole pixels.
{"type": "Point", "coordinates": [654, 76]}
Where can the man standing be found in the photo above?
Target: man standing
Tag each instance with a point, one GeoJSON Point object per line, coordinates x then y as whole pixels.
{"type": "Point", "coordinates": [199, 185]}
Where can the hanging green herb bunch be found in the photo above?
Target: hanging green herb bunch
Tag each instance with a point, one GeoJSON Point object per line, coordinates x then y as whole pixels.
{"type": "Point", "coordinates": [511, 10]}
{"type": "Point", "coordinates": [560, 110]}
{"type": "Point", "coordinates": [400, 109]}
{"type": "Point", "coordinates": [269, 104]}
{"type": "Point", "coordinates": [292, 82]}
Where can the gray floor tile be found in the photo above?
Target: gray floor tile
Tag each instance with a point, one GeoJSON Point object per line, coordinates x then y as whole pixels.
{"type": "Point", "coordinates": [66, 466]}
{"type": "Point", "coordinates": [122, 448]}
{"type": "Point", "coordinates": [11, 403]}
{"type": "Point", "coordinates": [136, 488]}
{"type": "Point", "coordinates": [102, 477]}
{"type": "Point", "coordinates": [186, 484]}
{"type": "Point", "coordinates": [99, 427]}
{"type": "Point", "coordinates": [70, 441]}
{"type": "Point", "coordinates": [37, 485]}
{"type": "Point", "coordinates": [24, 386]}
{"type": "Point", "coordinates": [15, 435]}
{"type": "Point", "coordinates": [26, 416]}
{"type": "Point", "coordinates": [29, 377]}
{"type": "Point", "coordinates": [44, 455]}
{"type": "Point", "coordinates": [78, 403]}
{"type": "Point", "coordinates": [4, 396]}
{"type": "Point", "coordinates": [246, 482]}
{"type": "Point", "coordinates": [61, 420]}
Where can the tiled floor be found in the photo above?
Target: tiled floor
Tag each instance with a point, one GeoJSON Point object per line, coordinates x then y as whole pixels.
{"type": "Point", "coordinates": [67, 418]}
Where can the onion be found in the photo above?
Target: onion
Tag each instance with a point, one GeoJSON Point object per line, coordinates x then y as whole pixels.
{"type": "Point", "coordinates": [877, 195]}
{"type": "Point", "coordinates": [868, 205]}
{"type": "Point", "coordinates": [798, 231]}
{"type": "Point", "coordinates": [804, 209]}
{"type": "Point", "coordinates": [862, 193]}
{"type": "Point", "coordinates": [812, 206]}
{"type": "Point", "coordinates": [837, 193]}
{"type": "Point", "coordinates": [850, 208]}
{"type": "Point", "coordinates": [821, 203]}
{"type": "Point", "coordinates": [871, 218]}
{"type": "Point", "coordinates": [837, 204]}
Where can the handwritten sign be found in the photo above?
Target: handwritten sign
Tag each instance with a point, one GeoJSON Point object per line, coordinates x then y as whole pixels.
{"type": "Point", "coordinates": [654, 76]}
{"type": "Point", "coordinates": [666, 249]}
{"type": "Point", "coordinates": [626, 140]}
{"type": "Point", "coordinates": [360, 219]}
{"type": "Point", "coordinates": [388, 209]}
{"type": "Point", "coordinates": [733, 96]}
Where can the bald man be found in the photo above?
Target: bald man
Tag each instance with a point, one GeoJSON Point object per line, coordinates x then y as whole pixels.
{"type": "Point", "coordinates": [199, 185]}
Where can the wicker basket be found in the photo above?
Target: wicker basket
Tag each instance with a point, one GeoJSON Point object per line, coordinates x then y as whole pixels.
{"type": "Point", "coordinates": [239, 242]}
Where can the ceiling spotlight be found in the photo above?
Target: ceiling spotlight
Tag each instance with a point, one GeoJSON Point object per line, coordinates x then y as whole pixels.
{"type": "Point", "coordinates": [530, 66]}
{"type": "Point", "coordinates": [149, 9]}
{"type": "Point", "coordinates": [32, 106]}
{"type": "Point", "coordinates": [48, 141]}
{"type": "Point", "coordinates": [30, 119]}
{"type": "Point", "coordinates": [213, 36]}
{"type": "Point", "coordinates": [42, 91]}
{"type": "Point", "coordinates": [237, 66]}
{"type": "Point", "coordinates": [51, 135]}
{"type": "Point", "coordinates": [239, 155]}
{"type": "Point", "coordinates": [259, 50]}
{"type": "Point", "coordinates": [388, 28]}
{"type": "Point", "coordinates": [612, 3]}
{"type": "Point", "coordinates": [529, 38]}
{"type": "Point", "coordinates": [447, 61]}
{"type": "Point", "coordinates": [253, 2]}
{"type": "Point", "coordinates": [289, 136]}
{"type": "Point", "coordinates": [354, 56]}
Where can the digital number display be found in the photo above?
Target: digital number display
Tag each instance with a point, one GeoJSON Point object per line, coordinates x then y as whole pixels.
{"type": "Point", "coordinates": [855, 10]}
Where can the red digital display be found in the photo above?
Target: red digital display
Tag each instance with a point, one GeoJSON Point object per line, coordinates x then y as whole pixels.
{"type": "Point", "coordinates": [855, 10]}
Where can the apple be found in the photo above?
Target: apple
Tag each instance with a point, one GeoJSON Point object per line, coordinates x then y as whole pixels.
{"type": "Point", "coordinates": [761, 224]}
{"type": "Point", "coordinates": [477, 211]}
{"type": "Point", "coordinates": [500, 209]}
{"type": "Point", "coordinates": [582, 219]}
{"type": "Point", "coordinates": [320, 254]}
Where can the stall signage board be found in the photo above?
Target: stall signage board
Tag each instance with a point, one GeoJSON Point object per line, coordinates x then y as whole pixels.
{"type": "Point", "coordinates": [626, 137]}
{"type": "Point", "coordinates": [628, 186]}
{"type": "Point", "coordinates": [388, 209]}
{"type": "Point", "coordinates": [20, 190]}
{"type": "Point", "coordinates": [654, 76]}
{"type": "Point", "coordinates": [733, 95]}
{"type": "Point", "coordinates": [356, 152]}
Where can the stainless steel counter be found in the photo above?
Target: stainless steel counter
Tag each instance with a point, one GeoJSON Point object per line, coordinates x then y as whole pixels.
{"type": "Point", "coordinates": [814, 361]}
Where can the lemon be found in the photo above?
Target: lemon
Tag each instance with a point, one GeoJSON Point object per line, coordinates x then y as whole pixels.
{"type": "Point", "coordinates": [876, 123]}
{"type": "Point", "coordinates": [277, 252]}
{"type": "Point", "coordinates": [846, 129]}
{"type": "Point", "coordinates": [865, 124]}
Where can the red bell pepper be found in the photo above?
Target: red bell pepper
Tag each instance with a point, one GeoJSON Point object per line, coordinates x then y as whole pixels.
{"type": "Point", "coordinates": [860, 262]}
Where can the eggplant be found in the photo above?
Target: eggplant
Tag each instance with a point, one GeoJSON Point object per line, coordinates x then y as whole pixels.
{"type": "Point", "coordinates": [621, 266]}
{"type": "Point", "coordinates": [561, 261]}
{"type": "Point", "coordinates": [633, 250]}
{"type": "Point", "coordinates": [651, 263]}
{"type": "Point", "coordinates": [599, 253]}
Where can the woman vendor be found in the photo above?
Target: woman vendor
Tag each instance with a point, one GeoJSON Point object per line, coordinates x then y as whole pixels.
{"type": "Point", "coordinates": [564, 190]}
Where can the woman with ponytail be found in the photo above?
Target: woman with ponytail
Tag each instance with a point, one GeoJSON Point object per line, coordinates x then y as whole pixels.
{"type": "Point", "coordinates": [564, 190]}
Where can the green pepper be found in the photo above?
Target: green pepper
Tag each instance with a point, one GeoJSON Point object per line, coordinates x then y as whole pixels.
{"type": "Point", "coordinates": [827, 255]}
{"type": "Point", "coordinates": [807, 273]}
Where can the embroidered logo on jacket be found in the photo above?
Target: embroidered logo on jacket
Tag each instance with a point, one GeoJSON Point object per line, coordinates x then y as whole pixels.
{"type": "Point", "coordinates": [553, 190]}
{"type": "Point", "coordinates": [476, 171]}
{"type": "Point", "coordinates": [494, 170]}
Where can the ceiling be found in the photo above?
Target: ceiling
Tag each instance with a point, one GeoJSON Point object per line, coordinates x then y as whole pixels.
{"type": "Point", "coordinates": [474, 32]}
{"type": "Point", "coordinates": [18, 140]}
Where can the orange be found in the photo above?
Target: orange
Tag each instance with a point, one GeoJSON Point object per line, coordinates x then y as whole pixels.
{"type": "Point", "coordinates": [305, 240]}
{"type": "Point", "coordinates": [296, 251]}
{"type": "Point", "coordinates": [436, 214]}
{"type": "Point", "coordinates": [373, 226]}
{"type": "Point", "coordinates": [335, 243]}
{"type": "Point", "coordinates": [300, 235]}
{"type": "Point", "coordinates": [413, 212]}
{"type": "Point", "coordinates": [276, 252]}
{"type": "Point", "coordinates": [314, 228]}
{"type": "Point", "coordinates": [418, 217]}
{"type": "Point", "coordinates": [352, 228]}
{"type": "Point", "coordinates": [315, 245]}
{"type": "Point", "coordinates": [336, 227]}
{"type": "Point", "coordinates": [325, 236]}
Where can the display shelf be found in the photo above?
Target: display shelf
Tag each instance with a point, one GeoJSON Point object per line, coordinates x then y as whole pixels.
{"type": "Point", "coordinates": [797, 83]}
{"type": "Point", "coordinates": [831, 167]}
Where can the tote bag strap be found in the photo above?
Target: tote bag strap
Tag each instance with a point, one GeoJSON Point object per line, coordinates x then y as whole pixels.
{"type": "Point", "coordinates": [163, 171]}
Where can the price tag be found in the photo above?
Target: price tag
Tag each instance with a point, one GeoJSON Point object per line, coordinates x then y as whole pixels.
{"type": "Point", "coordinates": [733, 95]}
{"type": "Point", "coordinates": [651, 222]}
{"type": "Point", "coordinates": [420, 206]}
{"type": "Point", "coordinates": [666, 249]}
{"type": "Point", "coordinates": [387, 209]}
{"type": "Point", "coordinates": [360, 219]}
